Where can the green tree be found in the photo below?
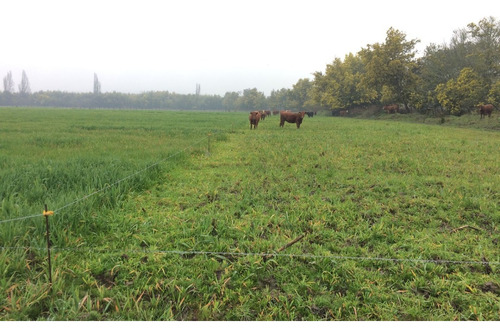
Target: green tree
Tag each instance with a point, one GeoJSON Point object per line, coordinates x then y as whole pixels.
{"type": "Point", "coordinates": [252, 100]}
{"type": "Point", "coordinates": [230, 101]}
{"type": "Point", "coordinates": [438, 65]}
{"type": "Point", "coordinates": [459, 96]}
{"type": "Point", "coordinates": [301, 95]}
{"type": "Point", "coordinates": [494, 94]}
{"type": "Point", "coordinates": [97, 85]}
{"type": "Point", "coordinates": [341, 85]}
{"type": "Point", "coordinates": [476, 47]}
{"type": "Point", "coordinates": [485, 39]}
{"type": "Point", "coordinates": [24, 87]}
{"type": "Point", "coordinates": [8, 83]}
{"type": "Point", "coordinates": [280, 99]}
{"type": "Point", "coordinates": [391, 68]}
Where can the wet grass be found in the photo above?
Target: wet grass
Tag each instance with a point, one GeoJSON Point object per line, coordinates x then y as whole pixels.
{"type": "Point", "coordinates": [388, 220]}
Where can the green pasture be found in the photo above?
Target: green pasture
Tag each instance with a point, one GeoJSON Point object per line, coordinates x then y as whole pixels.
{"type": "Point", "coordinates": [173, 215]}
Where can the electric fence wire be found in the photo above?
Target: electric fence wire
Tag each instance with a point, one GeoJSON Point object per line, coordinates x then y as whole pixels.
{"type": "Point", "coordinates": [259, 254]}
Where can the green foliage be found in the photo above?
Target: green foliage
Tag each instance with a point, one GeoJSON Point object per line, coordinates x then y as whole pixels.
{"type": "Point", "coordinates": [390, 67]}
{"type": "Point", "coordinates": [389, 72]}
{"type": "Point", "coordinates": [146, 100]}
{"type": "Point", "coordinates": [461, 95]}
{"type": "Point", "coordinates": [280, 99]}
{"type": "Point", "coordinates": [187, 245]}
{"type": "Point", "coordinates": [475, 47]}
{"type": "Point", "coordinates": [341, 86]}
{"type": "Point", "coordinates": [485, 38]}
{"type": "Point", "coordinates": [252, 99]}
{"type": "Point", "coordinates": [301, 96]}
{"type": "Point", "coordinates": [437, 66]}
{"type": "Point", "coordinates": [230, 101]}
{"type": "Point", "coordinates": [494, 94]}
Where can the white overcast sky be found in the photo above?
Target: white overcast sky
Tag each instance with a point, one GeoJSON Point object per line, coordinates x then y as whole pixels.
{"type": "Point", "coordinates": [224, 45]}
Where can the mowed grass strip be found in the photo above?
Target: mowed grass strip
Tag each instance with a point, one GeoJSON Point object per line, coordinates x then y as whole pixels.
{"type": "Point", "coordinates": [357, 192]}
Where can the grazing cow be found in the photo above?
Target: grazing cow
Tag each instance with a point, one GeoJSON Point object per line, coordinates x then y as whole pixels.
{"type": "Point", "coordinates": [393, 108]}
{"type": "Point", "coordinates": [254, 119]}
{"type": "Point", "coordinates": [291, 117]}
{"type": "Point", "coordinates": [343, 113]}
{"type": "Point", "coordinates": [276, 112]}
{"type": "Point", "coordinates": [486, 110]}
{"type": "Point", "coordinates": [310, 114]}
{"type": "Point", "coordinates": [262, 115]}
{"type": "Point", "coordinates": [268, 113]}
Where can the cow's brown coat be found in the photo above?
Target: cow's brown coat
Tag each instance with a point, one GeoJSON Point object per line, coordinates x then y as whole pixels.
{"type": "Point", "coordinates": [254, 118]}
{"type": "Point", "coordinates": [291, 117]}
{"type": "Point", "coordinates": [486, 110]}
{"type": "Point", "coordinates": [393, 108]}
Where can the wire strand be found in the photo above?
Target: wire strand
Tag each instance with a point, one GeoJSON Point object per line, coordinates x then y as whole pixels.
{"type": "Point", "coordinates": [263, 254]}
{"type": "Point", "coordinates": [20, 218]}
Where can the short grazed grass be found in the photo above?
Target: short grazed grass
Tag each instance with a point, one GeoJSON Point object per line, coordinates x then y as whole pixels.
{"type": "Point", "coordinates": [393, 219]}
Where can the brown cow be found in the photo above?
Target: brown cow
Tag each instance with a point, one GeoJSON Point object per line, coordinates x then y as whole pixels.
{"type": "Point", "coordinates": [393, 108]}
{"type": "Point", "coordinates": [262, 115]}
{"type": "Point", "coordinates": [486, 110]}
{"type": "Point", "coordinates": [276, 112]}
{"type": "Point", "coordinates": [343, 113]}
{"type": "Point", "coordinates": [291, 117]}
{"type": "Point", "coordinates": [254, 118]}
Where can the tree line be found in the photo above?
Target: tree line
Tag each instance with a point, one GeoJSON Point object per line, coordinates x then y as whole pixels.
{"type": "Point", "coordinates": [451, 78]}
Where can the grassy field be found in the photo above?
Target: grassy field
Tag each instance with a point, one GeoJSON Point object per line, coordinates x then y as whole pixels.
{"type": "Point", "coordinates": [165, 215]}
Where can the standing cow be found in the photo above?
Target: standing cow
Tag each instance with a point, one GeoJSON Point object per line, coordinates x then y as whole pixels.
{"type": "Point", "coordinates": [291, 117]}
{"type": "Point", "coordinates": [262, 115]}
{"type": "Point", "coordinates": [486, 110]}
{"type": "Point", "coordinates": [393, 108]}
{"type": "Point", "coordinates": [343, 113]}
{"type": "Point", "coordinates": [254, 118]}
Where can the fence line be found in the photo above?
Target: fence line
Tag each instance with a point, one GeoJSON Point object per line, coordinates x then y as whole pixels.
{"type": "Point", "coordinates": [20, 218]}
{"type": "Point", "coordinates": [108, 186]}
{"type": "Point", "coordinates": [263, 254]}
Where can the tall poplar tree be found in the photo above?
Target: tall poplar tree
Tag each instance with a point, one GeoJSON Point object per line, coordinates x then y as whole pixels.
{"type": "Point", "coordinates": [97, 85]}
{"type": "Point", "coordinates": [24, 87]}
{"type": "Point", "coordinates": [8, 83]}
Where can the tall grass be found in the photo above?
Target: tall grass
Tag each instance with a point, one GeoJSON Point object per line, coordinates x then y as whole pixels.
{"type": "Point", "coordinates": [387, 212]}
{"type": "Point", "coordinates": [58, 157]}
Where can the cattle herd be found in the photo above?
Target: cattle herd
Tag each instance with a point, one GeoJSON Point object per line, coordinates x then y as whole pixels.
{"type": "Point", "coordinates": [297, 117]}
{"type": "Point", "coordinates": [285, 115]}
